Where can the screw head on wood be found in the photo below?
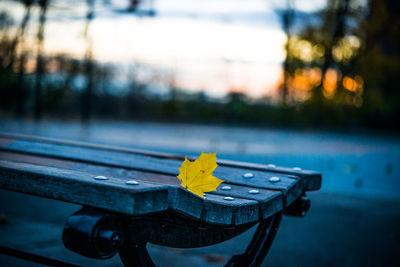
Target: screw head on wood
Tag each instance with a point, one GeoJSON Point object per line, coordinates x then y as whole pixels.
{"type": "Point", "coordinates": [274, 179]}
{"type": "Point", "coordinates": [229, 198]}
{"type": "Point", "coordinates": [248, 175]}
{"type": "Point", "coordinates": [100, 177]}
{"type": "Point", "coordinates": [132, 182]}
{"type": "Point", "coordinates": [253, 191]}
{"type": "Point", "coordinates": [226, 188]}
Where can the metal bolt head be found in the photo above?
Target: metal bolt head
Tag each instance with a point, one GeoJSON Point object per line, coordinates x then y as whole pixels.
{"type": "Point", "coordinates": [226, 188]}
{"type": "Point", "coordinates": [297, 169]}
{"type": "Point", "coordinates": [100, 177]}
{"type": "Point", "coordinates": [229, 198]}
{"type": "Point", "coordinates": [248, 175]}
{"type": "Point", "coordinates": [274, 179]}
{"type": "Point", "coordinates": [253, 191]}
{"type": "Point", "coordinates": [132, 182]}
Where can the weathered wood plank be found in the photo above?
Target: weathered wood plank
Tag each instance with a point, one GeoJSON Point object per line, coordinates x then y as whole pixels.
{"type": "Point", "coordinates": [270, 202]}
{"type": "Point", "coordinates": [115, 195]}
{"type": "Point", "coordinates": [89, 168]}
{"type": "Point", "coordinates": [179, 199]}
{"type": "Point", "coordinates": [81, 188]}
{"type": "Point", "coordinates": [158, 169]}
{"type": "Point", "coordinates": [229, 210]}
{"type": "Point", "coordinates": [184, 202]}
{"type": "Point", "coordinates": [288, 184]}
{"type": "Point", "coordinates": [310, 180]}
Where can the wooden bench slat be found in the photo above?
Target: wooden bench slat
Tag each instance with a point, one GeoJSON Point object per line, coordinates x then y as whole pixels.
{"type": "Point", "coordinates": [310, 180]}
{"type": "Point", "coordinates": [270, 202]}
{"type": "Point", "coordinates": [115, 195]}
{"type": "Point", "coordinates": [290, 186]}
{"type": "Point", "coordinates": [90, 168]}
{"type": "Point", "coordinates": [287, 184]}
{"type": "Point", "coordinates": [179, 199]}
{"type": "Point", "coordinates": [81, 188]}
{"type": "Point", "coordinates": [232, 212]}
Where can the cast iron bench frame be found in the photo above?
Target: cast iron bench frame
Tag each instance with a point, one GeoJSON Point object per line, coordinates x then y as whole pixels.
{"type": "Point", "coordinates": [131, 197]}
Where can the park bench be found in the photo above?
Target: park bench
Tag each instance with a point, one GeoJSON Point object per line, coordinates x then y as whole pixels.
{"type": "Point", "coordinates": [130, 197]}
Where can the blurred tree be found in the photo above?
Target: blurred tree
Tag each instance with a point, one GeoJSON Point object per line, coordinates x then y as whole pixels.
{"type": "Point", "coordinates": [379, 62]}
{"type": "Point", "coordinates": [87, 94]}
{"type": "Point", "coordinates": [7, 81]}
{"type": "Point", "coordinates": [287, 16]}
{"type": "Point", "coordinates": [40, 62]}
{"type": "Point", "coordinates": [342, 62]}
{"type": "Point", "coordinates": [21, 89]}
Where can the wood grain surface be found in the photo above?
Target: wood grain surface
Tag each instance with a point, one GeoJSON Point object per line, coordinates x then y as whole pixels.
{"type": "Point", "coordinates": [65, 170]}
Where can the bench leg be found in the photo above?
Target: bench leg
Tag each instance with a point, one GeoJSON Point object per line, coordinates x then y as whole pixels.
{"type": "Point", "coordinates": [135, 255]}
{"type": "Point", "coordinates": [98, 234]}
{"type": "Point", "coordinates": [259, 245]}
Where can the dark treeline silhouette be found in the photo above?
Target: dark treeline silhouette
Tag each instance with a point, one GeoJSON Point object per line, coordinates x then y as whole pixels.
{"type": "Point", "coordinates": [19, 38]}
{"type": "Point", "coordinates": [340, 70]}
{"type": "Point", "coordinates": [40, 60]}
{"type": "Point", "coordinates": [86, 103]}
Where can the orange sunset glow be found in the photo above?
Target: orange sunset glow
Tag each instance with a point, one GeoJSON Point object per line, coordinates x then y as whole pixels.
{"type": "Point", "coordinates": [202, 54]}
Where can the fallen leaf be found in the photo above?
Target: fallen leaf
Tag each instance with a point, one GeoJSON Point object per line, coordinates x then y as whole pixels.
{"type": "Point", "coordinates": [196, 176]}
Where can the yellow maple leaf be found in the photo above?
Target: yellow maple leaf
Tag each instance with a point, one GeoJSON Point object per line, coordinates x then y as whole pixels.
{"type": "Point", "coordinates": [196, 176]}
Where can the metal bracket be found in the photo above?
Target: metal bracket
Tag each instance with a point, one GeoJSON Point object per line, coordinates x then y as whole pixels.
{"type": "Point", "coordinates": [98, 234]}
{"type": "Point", "coordinates": [299, 207]}
{"type": "Point", "coordinates": [259, 245]}
{"type": "Point", "coordinates": [135, 254]}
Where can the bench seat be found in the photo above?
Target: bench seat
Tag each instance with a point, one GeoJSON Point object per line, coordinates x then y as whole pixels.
{"type": "Point", "coordinates": [131, 197]}
{"type": "Point", "coordinates": [67, 171]}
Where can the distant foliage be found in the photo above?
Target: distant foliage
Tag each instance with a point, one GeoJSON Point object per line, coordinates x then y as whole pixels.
{"type": "Point", "coordinates": [341, 64]}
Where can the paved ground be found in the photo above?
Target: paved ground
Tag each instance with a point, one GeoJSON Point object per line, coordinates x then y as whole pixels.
{"type": "Point", "coordinates": [338, 231]}
{"type": "Point", "coordinates": [354, 219]}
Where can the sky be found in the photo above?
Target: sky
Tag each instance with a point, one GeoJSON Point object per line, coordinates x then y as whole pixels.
{"type": "Point", "coordinates": [210, 45]}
